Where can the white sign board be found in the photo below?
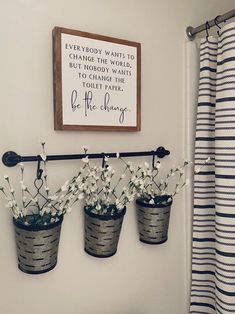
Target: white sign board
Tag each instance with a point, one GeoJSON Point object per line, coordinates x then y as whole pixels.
{"type": "Point", "coordinates": [96, 82]}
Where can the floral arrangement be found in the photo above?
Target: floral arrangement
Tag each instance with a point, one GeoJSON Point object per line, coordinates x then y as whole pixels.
{"type": "Point", "coordinates": [105, 193]}
{"type": "Point", "coordinates": [155, 190]}
{"type": "Point", "coordinates": [40, 208]}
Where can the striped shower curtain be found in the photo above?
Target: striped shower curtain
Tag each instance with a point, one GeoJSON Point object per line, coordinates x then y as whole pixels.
{"type": "Point", "coordinates": [213, 246]}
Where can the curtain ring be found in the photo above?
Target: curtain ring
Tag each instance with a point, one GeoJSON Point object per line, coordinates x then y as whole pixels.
{"type": "Point", "coordinates": [207, 28]}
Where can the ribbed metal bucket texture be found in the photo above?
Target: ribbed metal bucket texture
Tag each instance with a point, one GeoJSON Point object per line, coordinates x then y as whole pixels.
{"type": "Point", "coordinates": [37, 249]}
{"type": "Point", "coordinates": [153, 222]}
{"type": "Point", "coordinates": [102, 233]}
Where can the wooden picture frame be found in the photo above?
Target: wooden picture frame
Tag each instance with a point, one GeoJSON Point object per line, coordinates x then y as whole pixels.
{"type": "Point", "coordinates": [97, 82]}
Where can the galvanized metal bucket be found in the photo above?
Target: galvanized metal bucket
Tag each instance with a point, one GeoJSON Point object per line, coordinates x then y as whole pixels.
{"type": "Point", "coordinates": [153, 221]}
{"type": "Point", "coordinates": [102, 233]}
{"type": "Point", "coordinates": [37, 246]}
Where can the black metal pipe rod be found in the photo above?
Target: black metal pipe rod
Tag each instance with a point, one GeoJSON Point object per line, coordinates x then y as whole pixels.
{"type": "Point", "coordinates": [192, 31]}
{"type": "Point", "coordinates": [11, 159]}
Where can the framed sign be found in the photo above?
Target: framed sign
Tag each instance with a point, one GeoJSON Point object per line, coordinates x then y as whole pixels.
{"type": "Point", "coordinates": [96, 82]}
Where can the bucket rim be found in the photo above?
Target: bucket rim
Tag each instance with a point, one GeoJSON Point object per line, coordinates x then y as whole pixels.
{"type": "Point", "coordinates": [106, 216]}
{"type": "Point", "coordinates": [141, 202]}
{"type": "Point", "coordinates": [50, 226]}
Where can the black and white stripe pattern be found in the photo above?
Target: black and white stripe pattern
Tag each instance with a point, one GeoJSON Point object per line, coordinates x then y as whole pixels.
{"type": "Point", "coordinates": [213, 249]}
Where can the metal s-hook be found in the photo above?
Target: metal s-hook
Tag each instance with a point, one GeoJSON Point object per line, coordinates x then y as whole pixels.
{"type": "Point", "coordinates": [39, 170]}
{"type": "Point", "coordinates": [217, 23]}
{"type": "Point", "coordinates": [153, 159]}
{"type": "Point", "coordinates": [154, 167]}
{"type": "Point", "coordinates": [207, 28]}
{"type": "Point", "coordinates": [103, 160]}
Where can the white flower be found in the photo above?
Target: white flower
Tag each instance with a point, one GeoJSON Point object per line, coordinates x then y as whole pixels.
{"type": "Point", "coordinates": [44, 157]}
{"type": "Point", "coordinates": [23, 187]}
{"type": "Point", "coordinates": [53, 212]}
{"type": "Point", "coordinates": [158, 165]}
{"type": "Point", "coordinates": [93, 189]}
{"type": "Point", "coordinates": [10, 204]}
{"type": "Point", "coordinates": [85, 160]}
{"type": "Point", "coordinates": [198, 169]}
{"type": "Point", "coordinates": [146, 165]}
{"type": "Point", "coordinates": [109, 168]}
{"type": "Point", "coordinates": [52, 197]}
{"type": "Point", "coordinates": [118, 204]}
{"type": "Point", "coordinates": [71, 197]}
{"type": "Point", "coordinates": [16, 216]}
{"type": "Point", "coordinates": [81, 196]}
{"type": "Point", "coordinates": [130, 197]}
{"type": "Point", "coordinates": [69, 209]}
{"type": "Point", "coordinates": [85, 148]}
{"type": "Point", "coordinates": [98, 207]}
{"type": "Point", "coordinates": [151, 201]}
{"type": "Point", "coordinates": [65, 186]}
{"type": "Point", "coordinates": [81, 186]}
{"type": "Point", "coordinates": [72, 187]}
{"type": "Point", "coordinates": [108, 180]}
{"type": "Point", "coordinates": [134, 179]}
{"type": "Point", "coordinates": [47, 210]}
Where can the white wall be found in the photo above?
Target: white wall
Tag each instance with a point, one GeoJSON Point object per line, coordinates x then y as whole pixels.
{"type": "Point", "coordinates": [139, 279]}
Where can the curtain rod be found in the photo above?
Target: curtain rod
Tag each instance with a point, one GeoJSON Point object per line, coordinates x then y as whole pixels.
{"type": "Point", "coordinates": [11, 159]}
{"type": "Point", "coordinates": [191, 31]}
